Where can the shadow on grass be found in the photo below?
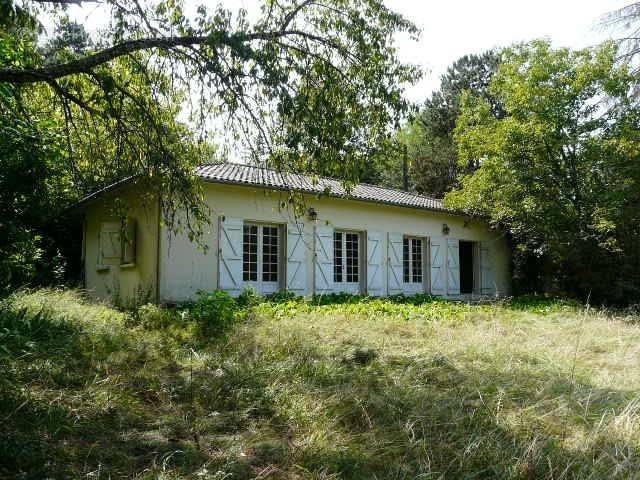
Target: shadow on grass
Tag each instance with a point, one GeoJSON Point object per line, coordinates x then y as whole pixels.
{"type": "Point", "coordinates": [401, 417]}
{"type": "Point", "coordinates": [72, 403]}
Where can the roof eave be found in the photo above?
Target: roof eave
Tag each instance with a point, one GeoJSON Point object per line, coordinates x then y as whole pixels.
{"type": "Point", "coordinates": [337, 195]}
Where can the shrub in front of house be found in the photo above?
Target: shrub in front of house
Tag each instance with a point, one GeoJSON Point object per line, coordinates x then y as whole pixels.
{"type": "Point", "coordinates": [214, 311]}
{"type": "Point", "coordinates": [151, 316]}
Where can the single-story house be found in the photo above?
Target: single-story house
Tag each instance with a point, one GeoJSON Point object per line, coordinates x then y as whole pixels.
{"type": "Point", "coordinates": [369, 240]}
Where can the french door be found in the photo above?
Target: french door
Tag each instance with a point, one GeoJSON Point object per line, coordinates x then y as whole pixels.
{"type": "Point", "coordinates": [261, 257]}
{"type": "Point", "coordinates": [346, 262]}
{"type": "Point", "coordinates": [412, 265]}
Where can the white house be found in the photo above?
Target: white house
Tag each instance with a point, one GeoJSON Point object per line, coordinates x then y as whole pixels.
{"type": "Point", "coordinates": [370, 241]}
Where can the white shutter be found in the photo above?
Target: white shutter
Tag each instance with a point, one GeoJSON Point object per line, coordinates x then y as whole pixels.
{"type": "Point", "coordinates": [436, 264]}
{"type": "Point", "coordinates": [230, 255]}
{"type": "Point", "coordinates": [487, 285]}
{"type": "Point", "coordinates": [453, 266]}
{"type": "Point", "coordinates": [110, 241]}
{"type": "Point", "coordinates": [323, 260]}
{"type": "Point", "coordinates": [394, 250]}
{"type": "Point", "coordinates": [296, 265]}
{"type": "Point", "coordinates": [374, 263]}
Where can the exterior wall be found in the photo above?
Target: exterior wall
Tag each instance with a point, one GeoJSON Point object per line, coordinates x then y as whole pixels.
{"type": "Point", "coordinates": [185, 269]}
{"type": "Point", "coordinates": [108, 279]}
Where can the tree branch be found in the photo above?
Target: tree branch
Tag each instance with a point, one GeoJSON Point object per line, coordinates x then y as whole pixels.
{"type": "Point", "coordinates": [86, 64]}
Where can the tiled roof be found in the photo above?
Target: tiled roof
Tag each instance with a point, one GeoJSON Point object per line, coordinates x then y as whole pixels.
{"type": "Point", "coordinates": [239, 174]}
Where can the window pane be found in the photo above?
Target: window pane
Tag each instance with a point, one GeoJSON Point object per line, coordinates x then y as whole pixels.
{"type": "Point", "coordinates": [250, 253]}
{"type": "Point", "coordinates": [270, 254]}
{"type": "Point", "coordinates": [337, 257]}
{"type": "Point", "coordinates": [405, 260]}
{"type": "Point", "coordinates": [416, 257]}
{"type": "Point", "coordinates": [352, 251]}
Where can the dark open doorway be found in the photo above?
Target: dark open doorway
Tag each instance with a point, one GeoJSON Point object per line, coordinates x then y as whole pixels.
{"type": "Point", "coordinates": [466, 267]}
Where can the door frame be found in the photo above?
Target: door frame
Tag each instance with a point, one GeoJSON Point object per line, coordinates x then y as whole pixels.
{"type": "Point", "coordinates": [411, 288]}
{"type": "Point", "coordinates": [259, 284]}
{"type": "Point", "coordinates": [355, 288]}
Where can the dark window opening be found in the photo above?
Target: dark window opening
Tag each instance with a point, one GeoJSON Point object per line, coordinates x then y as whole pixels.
{"type": "Point", "coordinates": [466, 267]}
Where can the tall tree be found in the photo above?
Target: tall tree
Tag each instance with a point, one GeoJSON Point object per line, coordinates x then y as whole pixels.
{"type": "Point", "coordinates": [625, 23]}
{"type": "Point", "coordinates": [562, 170]}
{"type": "Point", "coordinates": [309, 86]}
{"type": "Point", "coordinates": [313, 86]}
{"type": "Point", "coordinates": [428, 138]}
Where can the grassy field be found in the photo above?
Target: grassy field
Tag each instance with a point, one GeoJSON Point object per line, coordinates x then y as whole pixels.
{"type": "Point", "coordinates": [350, 389]}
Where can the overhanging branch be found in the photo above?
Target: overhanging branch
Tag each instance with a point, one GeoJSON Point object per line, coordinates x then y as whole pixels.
{"type": "Point", "coordinates": [86, 64]}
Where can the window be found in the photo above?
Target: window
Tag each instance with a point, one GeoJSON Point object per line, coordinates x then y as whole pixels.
{"type": "Point", "coordinates": [269, 254]}
{"type": "Point", "coordinates": [110, 247]}
{"type": "Point", "coordinates": [351, 242]}
{"type": "Point", "coordinates": [260, 253]}
{"type": "Point", "coordinates": [412, 260]}
{"type": "Point", "coordinates": [346, 257]}
{"type": "Point", "coordinates": [117, 243]}
{"type": "Point", "coordinates": [250, 253]}
{"type": "Point", "coordinates": [337, 257]}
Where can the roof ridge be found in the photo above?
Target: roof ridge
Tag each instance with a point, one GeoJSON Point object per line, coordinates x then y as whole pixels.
{"type": "Point", "coordinates": [398, 190]}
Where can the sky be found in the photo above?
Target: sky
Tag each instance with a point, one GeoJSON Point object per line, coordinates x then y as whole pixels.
{"type": "Point", "coordinates": [453, 28]}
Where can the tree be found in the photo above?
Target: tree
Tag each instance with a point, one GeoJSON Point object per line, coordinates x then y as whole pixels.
{"type": "Point", "coordinates": [626, 22]}
{"type": "Point", "coordinates": [428, 139]}
{"type": "Point", "coordinates": [310, 86]}
{"type": "Point", "coordinates": [313, 86]}
{"type": "Point", "coordinates": [561, 170]}
{"type": "Point", "coordinates": [52, 154]}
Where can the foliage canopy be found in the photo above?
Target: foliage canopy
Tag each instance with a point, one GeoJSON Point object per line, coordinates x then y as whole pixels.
{"type": "Point", "coordinates": [560, 171]}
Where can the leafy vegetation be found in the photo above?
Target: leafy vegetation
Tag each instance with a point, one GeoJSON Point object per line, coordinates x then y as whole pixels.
{"type": "Point", "coordinates": [429, 149]}
{"type": "Point", "coordinates": [306, 86]}
{"type": "Point", "coordinates": [340, 387]}
{"type": "Point", "coordinates": [560, 171]}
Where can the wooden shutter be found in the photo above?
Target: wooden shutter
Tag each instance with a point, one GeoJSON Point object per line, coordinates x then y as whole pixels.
{"type": "Point", "coordinates": [374, 263]}
{"type": "Point", "coordinates": [487, 285]}
{"type": "Point", "coordinates": [230, 255]}
{"type": "Point", "coordinates": [296, 265]}
{"type": "Point", "coordinates": [110, 243]}
{"type": "Point", "coordinates": [128, 238]}
{"type": "Point", "coordinates": [453, 266]}
{"type": "Point", "coordinates": [323, 260]}
{"type": "Point", "coordinates": [394, 273]}
{"type": "Point", "coordinates": [436, 264]}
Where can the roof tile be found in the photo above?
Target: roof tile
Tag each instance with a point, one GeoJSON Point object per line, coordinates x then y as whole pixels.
{"type": "Point", "coordinates": [259, 176]}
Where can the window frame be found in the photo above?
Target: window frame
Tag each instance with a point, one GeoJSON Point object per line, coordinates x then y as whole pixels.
{"type": "Point", "coordinates": [341, 273]}
{"type": "Point", "coordinates": [259, 284]}
{"type": "Point", "coordinates": [410, 277]}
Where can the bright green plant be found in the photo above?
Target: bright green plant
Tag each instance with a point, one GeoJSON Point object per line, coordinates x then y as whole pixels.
{"type": "Point", "coordinates": [214, 311]}
{"type": "Point", "coordinates": [560, 172]}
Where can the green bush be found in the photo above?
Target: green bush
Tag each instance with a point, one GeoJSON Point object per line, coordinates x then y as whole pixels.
{"type": "Point", "coordinates": [214, 311]}
{"type": "Point", "coordinates": [151, 316]}
{"type": "Point", "coordinates": [249, 298]}
{"type": "Point", "coordinates": [283, 297]}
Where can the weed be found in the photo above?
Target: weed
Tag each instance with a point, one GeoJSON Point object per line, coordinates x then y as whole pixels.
{"type": "Point", "coordinates": [333, 387]}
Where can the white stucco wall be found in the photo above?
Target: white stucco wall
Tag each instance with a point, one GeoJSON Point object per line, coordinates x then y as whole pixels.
{"type": "Point", "coordinates": [108, 279]}
{"type": "Point", "coordinates": [185, 269]}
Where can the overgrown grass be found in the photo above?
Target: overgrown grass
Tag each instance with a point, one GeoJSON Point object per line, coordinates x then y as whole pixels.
{"type": "Point", "coordinates": [336, 387]}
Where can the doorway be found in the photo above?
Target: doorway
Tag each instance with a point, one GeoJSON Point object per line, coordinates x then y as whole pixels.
{"type": "Point", "coordinates": [466, 267]}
